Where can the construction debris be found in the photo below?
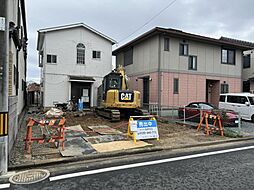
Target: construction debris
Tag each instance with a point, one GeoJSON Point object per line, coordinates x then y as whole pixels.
{"type": "Point", "coordinates": [75, 131]}
{"type": "Point", "coordinates": [54, 112]}
{"type": "Point", "coordinates": [104, 138]}
{"type": "Point", "coordinates": [76, 146]}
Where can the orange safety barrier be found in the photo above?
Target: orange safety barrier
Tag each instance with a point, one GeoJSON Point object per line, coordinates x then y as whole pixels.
{"type": "Point", "coordinates": [209, 130]}
{"type": "Point", "coordinates": [46, 125]}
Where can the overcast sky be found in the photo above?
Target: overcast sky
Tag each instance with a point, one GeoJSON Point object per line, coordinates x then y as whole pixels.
{"type": "Point", "coordinates": [120, 18]}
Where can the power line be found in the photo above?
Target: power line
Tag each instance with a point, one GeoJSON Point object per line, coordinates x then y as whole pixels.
{"type": "Point", "coordinates": [156, 15]}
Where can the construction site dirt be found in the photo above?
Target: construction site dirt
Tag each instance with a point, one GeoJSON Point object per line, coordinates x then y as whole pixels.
{"type": "Point", "coordinates": [82, 126]}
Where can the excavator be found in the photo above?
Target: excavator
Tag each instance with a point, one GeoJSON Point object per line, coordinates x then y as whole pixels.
{"type": "Point", "coordinates": [115, 99]}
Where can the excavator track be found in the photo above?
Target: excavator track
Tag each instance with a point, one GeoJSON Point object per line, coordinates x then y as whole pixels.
{"type": "Point", "coordinates": [140, 112]}
{"type": "Point", "coordinates": [112, 114]}
{"type": "Point", "coordinates": [115, 114]}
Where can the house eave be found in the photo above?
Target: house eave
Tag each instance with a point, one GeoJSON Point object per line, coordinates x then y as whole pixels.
{"type": "Point", "coordinates": [70, 26]}
{"type": "Point", "coordinates": [184, 35]}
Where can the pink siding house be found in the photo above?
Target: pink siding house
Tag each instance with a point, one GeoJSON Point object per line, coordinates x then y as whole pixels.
{"type": "Point", "coordinates": [173, 68]}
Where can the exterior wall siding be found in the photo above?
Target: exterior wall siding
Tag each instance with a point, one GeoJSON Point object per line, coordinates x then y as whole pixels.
{"type": "Point", "coordinates": [14, 57]}
{"type": "Point", "coordinates": [57, 89]}
{"type": "Point", "coordinates": [249, 72]}
{"type": "Point", "coordinates": [191, 88]}
{"type": "Point", "coordinates": [136, 83]}
{"type": "Point", "coordinates": [208, 59]}
{"type": "Point", "coordinates": [63, 44]}
{"type": "Point", "coordinates": [145, 57]}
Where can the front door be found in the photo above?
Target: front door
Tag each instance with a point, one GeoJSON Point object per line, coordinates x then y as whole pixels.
{"type": "Point", "coordinates": [213, 91]}
{"type": "Point", "coordinates": [145, 91]}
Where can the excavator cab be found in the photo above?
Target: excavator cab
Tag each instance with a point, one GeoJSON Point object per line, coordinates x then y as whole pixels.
{"type": "Point", "coordinates": [112, 81]}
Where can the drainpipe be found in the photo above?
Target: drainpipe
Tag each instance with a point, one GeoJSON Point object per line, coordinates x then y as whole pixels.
{"type": "Point", "coordinates": [159, 75]}
{"type": "Point", "coordinates": [17, 53]}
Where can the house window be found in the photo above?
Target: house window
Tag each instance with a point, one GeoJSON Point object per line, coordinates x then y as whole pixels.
{"type": "Point", "coordinates": [184, 49]}
{"type": "Point", "coordinates": [176, 85]}
{"type": "Point", "coordinates": [224, 88]}
{"type": "Point", "coordinates": [246, 61]}
{"type": "Point", "coordinates": [81, 53]}
{"type": "Point", "coordinates": [51, 58]}
{"type": "Point", "coordinates": [246, 86]}
{"type": "Point", "coordinates": [192, 62]}
{"type": "Point", "coordinates": [128, 57]}
{"type": "Point", "coordinates": [166, 44]}
{"type": "Point", "coordinates": [96, 54]}
{"type": "Point", "coordinates": [41, 59]}
{"type": "Point", "coordinates": [228, 56]}
{"type": "Point", "coordinates": [23, 85]}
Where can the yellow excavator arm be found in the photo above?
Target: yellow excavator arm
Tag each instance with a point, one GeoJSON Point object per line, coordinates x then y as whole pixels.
{"type": "Point", "coordinates": [120, 70]}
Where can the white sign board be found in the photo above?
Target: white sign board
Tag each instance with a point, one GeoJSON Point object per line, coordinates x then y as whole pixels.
{"type": "Point", "coordinates": [85, 92]}
{"type": "Point", "coordinates": [85, 99]}
{"type": "Point", "coordinates": [145, 129]}
{"type": "Point", "coordinates": [2, 23]}
{"type": "Point", "coordinates": [133, 125]}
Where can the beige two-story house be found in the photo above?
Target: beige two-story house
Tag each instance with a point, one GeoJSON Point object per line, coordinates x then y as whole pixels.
{"type": "Point", "coordinates": [173, 68]}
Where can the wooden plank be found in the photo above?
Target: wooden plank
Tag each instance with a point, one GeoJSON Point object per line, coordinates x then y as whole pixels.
{"type": "Point", "coordinates": [118, 145]}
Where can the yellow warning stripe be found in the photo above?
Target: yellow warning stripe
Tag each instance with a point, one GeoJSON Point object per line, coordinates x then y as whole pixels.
{"type": "Point", "coordinates": [3, 124]}
{"type": "Point", "coordinates": [6, 124]}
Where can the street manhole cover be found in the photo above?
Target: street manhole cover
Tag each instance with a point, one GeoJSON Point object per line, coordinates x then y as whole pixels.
{"type": "Point", "coordinates": [29, 176]}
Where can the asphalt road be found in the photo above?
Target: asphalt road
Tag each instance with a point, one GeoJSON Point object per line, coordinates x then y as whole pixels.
{"type": "Point", "coordinates": [234, 170]}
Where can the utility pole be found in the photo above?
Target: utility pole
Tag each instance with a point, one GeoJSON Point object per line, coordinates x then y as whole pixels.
{"type": "Point", "coordinates": [3, 87]}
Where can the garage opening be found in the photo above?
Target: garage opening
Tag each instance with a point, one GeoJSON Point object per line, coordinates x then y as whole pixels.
{"type": "Point", "coordinates": [81, 89]}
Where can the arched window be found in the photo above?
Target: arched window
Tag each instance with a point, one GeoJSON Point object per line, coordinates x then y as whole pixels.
{"type": "Point", "coordinates": [81, 53]}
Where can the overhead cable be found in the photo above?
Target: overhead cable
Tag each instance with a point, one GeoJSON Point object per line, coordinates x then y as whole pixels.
{"type": "Point", "coordinates": [152, 18]}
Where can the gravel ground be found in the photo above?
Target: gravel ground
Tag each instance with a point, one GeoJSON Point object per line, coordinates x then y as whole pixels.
{"type": "Point", "coordinates": [171, 135]}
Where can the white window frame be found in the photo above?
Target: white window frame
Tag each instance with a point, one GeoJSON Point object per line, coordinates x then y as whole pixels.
{"type": "Point", "coordinates": [81, 54]}
{"type": "Point", "coordinates": [97, 54]}
{"type": "Point", "coordinates": [52, 59]}
{"type": "Point", "coordinates": [193, 62]}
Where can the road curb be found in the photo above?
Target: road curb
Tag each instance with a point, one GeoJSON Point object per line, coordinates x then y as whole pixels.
{"type": "Point", "coordinates": [118, 153]}
{"type": "Point", "coordinates": [82, 158]}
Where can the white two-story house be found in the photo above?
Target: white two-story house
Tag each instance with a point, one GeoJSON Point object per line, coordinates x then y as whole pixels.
{"type": "Point", "coordinates": [73, 59]}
